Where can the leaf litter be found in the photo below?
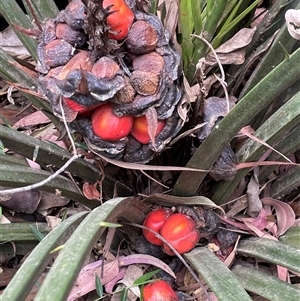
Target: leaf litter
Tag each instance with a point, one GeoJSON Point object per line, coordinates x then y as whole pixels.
{"type": "Point", "coordinates": [268, 217]}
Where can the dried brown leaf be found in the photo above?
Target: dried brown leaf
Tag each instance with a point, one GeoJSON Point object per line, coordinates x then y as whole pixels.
{"type": "Point", "coordinates": [239, 205]}
{"type": "Point", "coordinates": [170, 200]}
{"type": "Point", "coordinates": [52, 221]}
{"type": "Point", "coordinates": [35, 118]}
{"type": "Point", "coordinates": [171, 18]}
{"type": "Point", "coordinates": [132, 273]}
{"type": "Point", "coordinates": [214, 108]}
{"type": "Point", "coordinates": [85, 282]}
{"type": "Point", "coordinates": [258, 232]}
{"type": "Point", "coordinates": [109, 271]}
{"type": "Point", "coordinates": [254, 202]}
{"type": "Point", "coordinates": [151, 116]}
{"type": "Point", "coordinates": [11, 44]}
{"type": "Point", "coordinates": [284, 214]}
{"type": "Point", "coordinates": [12, 115]}
{"type": "Point", "coordinates": [225, 166]}
{"type": "Point", "coordinates": [282, 273]}
{"type": "Point", "coordinates": [24, 201]}
{"type": "Point", "coordinates": [109, 287]}
{"type": "Point", "coordinates": [296, 207]}
{"type": "Point", "coordinates": [292, 17]}
{"type": "Point", "coordinates": [90, 191]}
{"type": "Point", "coordinates": [51, 200]}
{"type": "Point", "coordinates": [233, 50]}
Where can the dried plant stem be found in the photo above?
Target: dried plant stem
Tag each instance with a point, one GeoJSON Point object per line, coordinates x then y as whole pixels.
{"type": "Point", "coordinates": [37, 21]}
{"type": "Point", "coordinates": [222, 78]}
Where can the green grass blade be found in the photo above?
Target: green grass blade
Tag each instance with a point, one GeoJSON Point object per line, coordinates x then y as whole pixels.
{"type": "Point", "coordinates": [217, 276]}
{"type": "Point", "coordinates": [228, 27]}
{"type": "Point", "coordinates": [214, 14]}
{"type": "Point", "coordinates": [231, 15]}
{"type": "Point", "coordinates": [153, 6]}
{"type": "Point", "coordinates": [265, 285]}
{"type": "Point", "coordinates": [278, 80]}
{"type": "Point", "coordinates": [186, 28]}
{"type": "Point", "coordinates": [271, 251]}
{"type": "Point", "coordinates": [145, 277]}
{"type": "Point", "coordinates": [196, 13]}
{"type": "Point", "coordinates": [20, 286]}
{"type": "Point", "coordinates": [37, 233]}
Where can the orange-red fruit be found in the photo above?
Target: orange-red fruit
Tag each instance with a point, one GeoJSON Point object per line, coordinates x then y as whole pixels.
{"type": "Point", "coordinates": [180, 231]}
{"type": "Point", "coordinates": [155, 220]}
{"type": "Point", "coordinates": [140, 129]}
{"type": "Point", "coordinates": [158, 291]}
{"type": "Point", "coordinates": [77, 107]}
{"type": "Point", "coordinates": [109, 126]}
{"type": "Point", "coordinates": [120, 20]}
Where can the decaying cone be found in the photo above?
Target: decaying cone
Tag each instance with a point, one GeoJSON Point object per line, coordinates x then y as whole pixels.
{"type": "Point", "coordinates": [86, 60]}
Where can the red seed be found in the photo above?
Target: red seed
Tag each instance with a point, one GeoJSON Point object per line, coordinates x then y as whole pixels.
{"type": "Point", "coordinates": [140, 129]}
{"type": "Point", "coordinates": [159, 291]}
{"type": "Point", "coordinates": [109, 126]}
{"type": "Point", "coordinates": [120, 20]}
{"type": "Point", "coordinates": [180, 231]}
{"type": "Point", "coordinates": [155, 220]}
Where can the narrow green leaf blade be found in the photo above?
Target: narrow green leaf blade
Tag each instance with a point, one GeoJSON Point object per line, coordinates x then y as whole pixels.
{"type": "Point", "coordinates": [44, 9]}
{"type": "Point", "coordinates": [286, 183]}
{"type": "Point", "coordinates": [196, 11]}
{"type": "Point", "coordinates": [141, 280]}
{"type": "Point", "coordinates": [99, 286]}
{"type": "Point", "coordinates": [186, 28]}
{"type": "Point", "coordinates": [218, 277]}
{"type": "Point", "coordinates": [291, 237]}
{"type": "Point", "coordinates": [17, 176]}
{"type": "Point", "coordinates": [37, 233]}
{"type": "Point", "coordinates": [21, 231]}
{"type": "Point", "coordinates": [266, 285]}
{"type": "Point", "coordinates": [272, 251]}
{"type": "Point", "coordinates": [216, 42]}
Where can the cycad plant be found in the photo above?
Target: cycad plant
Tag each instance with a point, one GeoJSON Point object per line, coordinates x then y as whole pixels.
{"type": "Point", "coordinates": [231, 164]}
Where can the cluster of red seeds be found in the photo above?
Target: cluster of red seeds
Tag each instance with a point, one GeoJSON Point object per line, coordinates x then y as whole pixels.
{"type": "Point", "coordinates": [178, 229]}
{"type": "Point", "coordinates": [116, 73]}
